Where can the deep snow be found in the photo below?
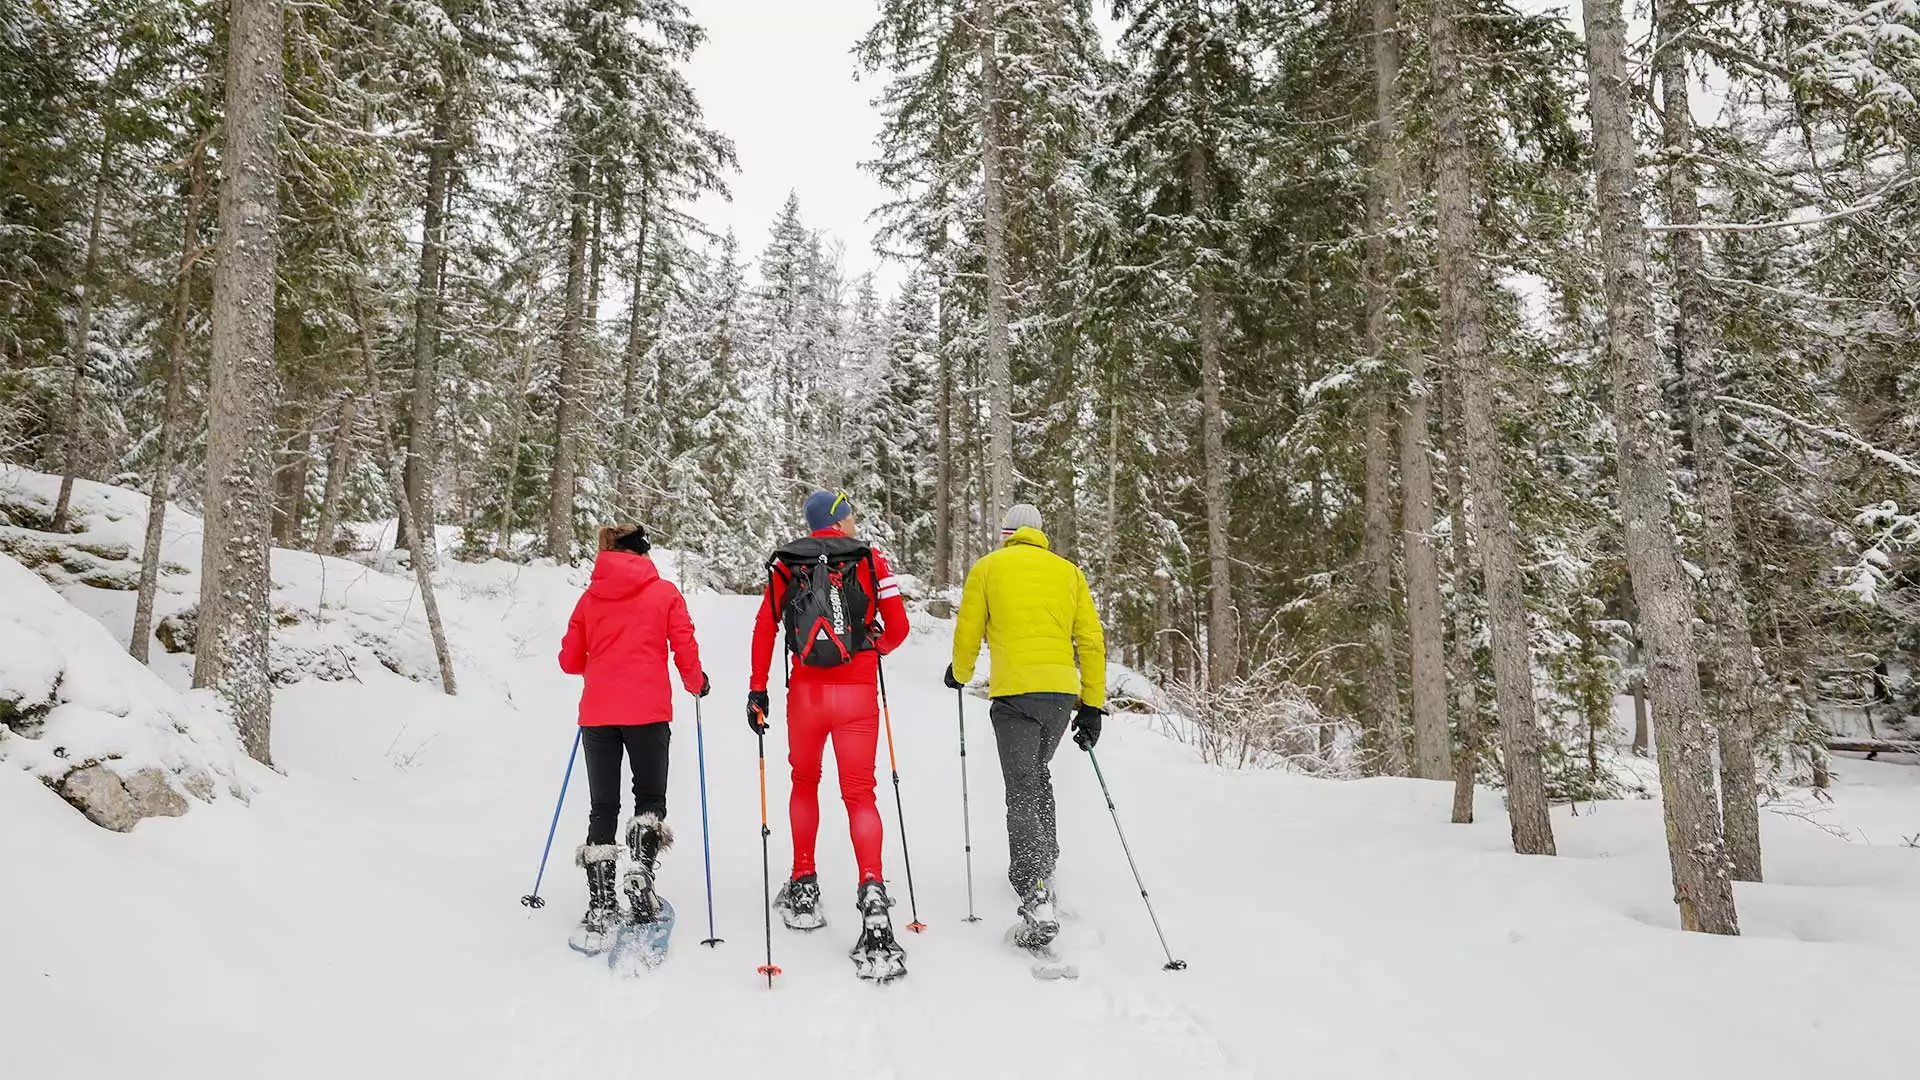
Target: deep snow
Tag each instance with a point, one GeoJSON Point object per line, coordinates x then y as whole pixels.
{"type": "Point", "coordinates": [361, 915]}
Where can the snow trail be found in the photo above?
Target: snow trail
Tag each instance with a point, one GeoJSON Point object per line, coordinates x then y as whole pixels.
{"type": "Point", "coordinates": [362, 915]}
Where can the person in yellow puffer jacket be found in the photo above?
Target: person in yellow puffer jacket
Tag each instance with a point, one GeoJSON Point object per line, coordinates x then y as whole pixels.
{"type": "Point", "coordinates": [1036, 614]}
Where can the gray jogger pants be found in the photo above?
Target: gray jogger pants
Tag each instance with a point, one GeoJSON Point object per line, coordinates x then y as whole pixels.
{"type": "Point", "coordinates": [1028, 729]}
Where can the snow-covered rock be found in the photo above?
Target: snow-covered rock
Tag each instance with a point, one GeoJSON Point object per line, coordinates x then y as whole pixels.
{"type": "Point", "coordinates": [95, 725]}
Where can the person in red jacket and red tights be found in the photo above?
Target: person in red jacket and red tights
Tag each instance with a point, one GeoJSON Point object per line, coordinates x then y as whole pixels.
{"type": "Point", "coordinates": [618, 637]}
{"type": "Point", "coordinates": [834, 696]}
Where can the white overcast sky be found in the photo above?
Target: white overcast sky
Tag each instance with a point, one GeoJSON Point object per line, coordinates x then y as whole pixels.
{"type": "Point", "coordinates": [777, 76]}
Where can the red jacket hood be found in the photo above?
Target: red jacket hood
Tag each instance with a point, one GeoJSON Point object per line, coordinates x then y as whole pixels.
{"type": "Point", "coordinates": [618, 575]}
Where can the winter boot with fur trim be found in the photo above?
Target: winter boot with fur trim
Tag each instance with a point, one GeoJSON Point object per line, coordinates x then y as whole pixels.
{"type": "Point", "coordinates": [647, 837]}
{"type": "Point", "coordinates": [594, 935]}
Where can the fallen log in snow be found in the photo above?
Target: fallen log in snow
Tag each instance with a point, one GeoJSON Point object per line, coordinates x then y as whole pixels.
{"type": "Point", "coordinates": [1873, 746]}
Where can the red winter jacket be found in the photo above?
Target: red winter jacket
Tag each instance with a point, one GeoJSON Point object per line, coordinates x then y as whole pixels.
{"type": "Point", "coordinates": [865, 666]}
{"type": "Point", "coordinates": [618, 639]}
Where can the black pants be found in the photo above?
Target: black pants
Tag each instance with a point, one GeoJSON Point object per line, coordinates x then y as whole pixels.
{"type": "Point", "coordinates": [1028, 729]}
{"type": "Point", "coordinates": [646, 746]}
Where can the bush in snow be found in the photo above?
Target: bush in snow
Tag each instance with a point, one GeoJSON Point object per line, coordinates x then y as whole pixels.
{"type": "Point", "coordinates": [94, 725]}
{"type": "Point", "coordinates": [1267, 718]}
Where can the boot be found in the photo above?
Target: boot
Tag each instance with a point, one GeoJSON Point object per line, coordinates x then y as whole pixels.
{"type": "Point", "coordinates": [647, 837]}
{"type": "Point", "coordinates": [876, 955]}
{"type": "Point", "coordinates": [799, 903]}
{"type": "Point", "coordinates": [1040, 922]}
{"type": "Point", "coordinates": [595, 932]}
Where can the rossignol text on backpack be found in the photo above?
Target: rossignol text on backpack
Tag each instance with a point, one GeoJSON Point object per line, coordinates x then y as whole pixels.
{"type": "Point", "coordinates": [826, 613]}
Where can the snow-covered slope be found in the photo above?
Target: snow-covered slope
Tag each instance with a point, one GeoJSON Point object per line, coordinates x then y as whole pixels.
{"type": "Point", "coordinates": [361, 916]}
{"type": "Point", "coordinates": [92, 723]}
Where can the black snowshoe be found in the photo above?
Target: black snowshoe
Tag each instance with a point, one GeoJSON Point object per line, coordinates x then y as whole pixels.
{"type": "Point", "coordinates": [595, 933]}
{"type": "Point", "coordinates": [799, 903]}
{"type": "Point", "coordinates": [647, 836]}
{"type": "Point", "coordinates": [877, 957]}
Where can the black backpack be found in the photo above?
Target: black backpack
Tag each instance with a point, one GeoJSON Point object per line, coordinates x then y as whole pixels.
{"type": "Point", "coordinates": [827, 613]}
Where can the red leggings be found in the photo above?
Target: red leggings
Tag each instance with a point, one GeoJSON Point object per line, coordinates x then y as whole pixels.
{"type": "Point", "coordinates": [851, 715]}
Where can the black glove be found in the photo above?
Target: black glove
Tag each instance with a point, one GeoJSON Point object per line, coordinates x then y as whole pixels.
{"type": "Point", "coordinates": [706, 685]}
{"type": "Point", "coordinates": [952, 683]}
{"type": "Point", "coordinates": [1086, 727]}
{"type": "Point", "coordinates": [757, 709]}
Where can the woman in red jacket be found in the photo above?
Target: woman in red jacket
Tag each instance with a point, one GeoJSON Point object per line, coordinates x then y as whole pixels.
{"type": "Point", "coordinates": [618, 638]}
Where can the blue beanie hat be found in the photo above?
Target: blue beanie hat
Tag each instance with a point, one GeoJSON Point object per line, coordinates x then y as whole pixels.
{"type": "Point", "coordinates": [825, 508]}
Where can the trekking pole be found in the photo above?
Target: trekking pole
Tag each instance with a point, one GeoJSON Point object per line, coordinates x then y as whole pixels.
{"type": "Point", "coordinates": [1171, 964]}
{"type": "Point", "coordinates": [532, 899]}
{"type": "Point", "coordinates": [766, 867]}
{"type": "Point", "coordinates": [899, 809]}
{"type": "Point", "coordinates": [706, 845]}
{"type": "Point", "coordinates": [966, 805]}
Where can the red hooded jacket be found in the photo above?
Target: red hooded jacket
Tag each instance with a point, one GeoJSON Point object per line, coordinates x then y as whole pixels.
{"type": "Point", "coordinates": [891, 613]}
{"type": "Point", "coordinates": [618, 638]}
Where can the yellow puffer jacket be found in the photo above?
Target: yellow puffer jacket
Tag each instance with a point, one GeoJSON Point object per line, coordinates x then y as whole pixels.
{"type": "Point", "coordinates": [1035, 611]}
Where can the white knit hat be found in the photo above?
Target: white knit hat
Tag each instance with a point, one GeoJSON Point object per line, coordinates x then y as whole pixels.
{"type": "Point", "coordinates": [1019, 516]}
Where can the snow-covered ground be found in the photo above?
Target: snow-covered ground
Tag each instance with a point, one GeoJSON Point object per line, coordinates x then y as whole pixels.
{"type": "Point", "coordinates": [360, 916]}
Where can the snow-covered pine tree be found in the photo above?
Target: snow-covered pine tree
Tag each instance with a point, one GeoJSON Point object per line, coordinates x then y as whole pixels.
{"type": "Point", "coordinates": [1185, 139]}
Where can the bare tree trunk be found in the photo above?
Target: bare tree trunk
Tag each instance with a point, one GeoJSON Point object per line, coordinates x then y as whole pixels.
{"type": "Point", "coordinates": [1737, 680]}
{"type": "Point", "coordinates": [289, 424]}
{"type": "Point", "coordinates": [1461, 279]}
{"type": "Point", "coordinates": [392, 465]}
{"type": "Point", "coordinates": [943, 482]}
{"type": "Point", "coordinates": [1222, 648]}
{"type": "Point", "coordinates": [1703, 888]}
{"type": "Point", "coordinates": [999, 378]}
{"type": "Point", "coordinates": [516, 426]}
{"type": "Point", "coordinates": [297, 463]}
{"type": "Point", "coordinates": [985, 531]}
{"type": "Point", "coordinates": [1466, 677]}
{"type": "Point", "coordinates": [561, 484]}
{"type": "Point", "coordinates": [1110, 538]}
{"type": "Point", "coordinates": [422, 457]}
{"type": "Point", "coordinates": [595, 252]}
{"type": "Point", "coordinates": [195, 198]}
{"type": "Point", "coordinates": [83, 335]}
{"type": "Point", "coordinates": [1425, 632]}
{"type": "Point", "coordinates": [1381, 682]}
{"type": "Point", "coordinates": [235, 580]}
{"type": "Point", "coordinates": [626, 482]}
{"type": "Point", "coordinates": [339, 460]}
{"type": "Point", "coordinates": [1637, 685]}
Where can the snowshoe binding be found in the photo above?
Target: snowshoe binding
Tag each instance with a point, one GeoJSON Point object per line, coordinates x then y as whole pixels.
{"type": "Point", "coordinates": [799, 903]}
{"type": "Point", "coordinates": [640, 942]}
{"type": "Point", "coordinates": [1039, 921]}
{"type": "Point", "coordinates": [1034, 934]}
{"type": "Point", "coordinates": [1044, 961]}
{"type": "Point", "coordinates": [877, 957]}
{"type": "Point", "coordinates": [595, 933]}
